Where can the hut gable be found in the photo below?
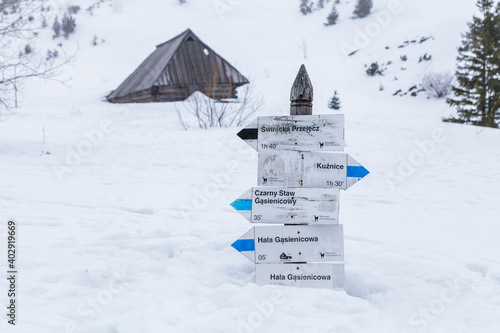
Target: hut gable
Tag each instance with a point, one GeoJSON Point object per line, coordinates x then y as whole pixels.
{"type": "Point", "coordinates": [175, 70]}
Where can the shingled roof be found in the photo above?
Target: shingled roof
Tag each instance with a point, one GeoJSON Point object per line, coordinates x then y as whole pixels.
{"type": "Point", "coordinates": [175, 70]}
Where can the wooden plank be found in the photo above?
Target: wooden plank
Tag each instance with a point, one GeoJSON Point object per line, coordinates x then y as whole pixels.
{"type": "Point", "coordinates": [304, 133]}
{"type": "Point", "coordinates": [284, 244]}
{"type": "Point", "coordinates": [289, 205]}
{"type": "Point", "coordinates": [181, 67]}
{"type": "Point", "coordinates": [308, 169]}
{"type": "Point", "coordinates": [194, 53]}
{"type": "Point", "coordinates": [316, 275]}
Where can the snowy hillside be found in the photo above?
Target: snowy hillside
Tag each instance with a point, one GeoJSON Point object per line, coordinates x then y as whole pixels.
{"type": "Point", "coordinates": [134, 234]}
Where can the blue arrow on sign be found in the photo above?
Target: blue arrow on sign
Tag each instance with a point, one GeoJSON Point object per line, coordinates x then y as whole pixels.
{"type": "Point", "coordinates": [246, 244]}
{"type": "Point", "coordinates": [356, 171]}
{"type": "Point", "coordinates": [242, 204]}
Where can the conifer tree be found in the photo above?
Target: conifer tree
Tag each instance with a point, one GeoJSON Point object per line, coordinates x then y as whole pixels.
{"type": "Point", "coordinates": [334, 102]}
{"type": "Point", "coordinates": [68, 25]}
{"type": "Point", "coordinates": [331, 19]}
{"type": "Point", "coordinates": [363, 8]}
{"type": "Point", "coordinates": [477, 93]}
{"type": "Point", "coordinates": [56, 27]}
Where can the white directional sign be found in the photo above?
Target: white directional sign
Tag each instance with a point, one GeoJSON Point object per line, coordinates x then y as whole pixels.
{"type": "Point", "coordinates": [289, 205]}
{"type": "Point", "coordinates": [329, 276]}
{"type": "Point", "coordinates": [308, 169]}
{"type": "Point", "coordinates": [319, 132]}
{"type": "Point", "coordinates": [278, 244]}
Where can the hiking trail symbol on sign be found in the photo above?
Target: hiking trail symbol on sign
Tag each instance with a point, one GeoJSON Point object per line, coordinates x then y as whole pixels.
{"type": "Point", "coordinates": [318, 132]}
{"type": "Point", "coordinates": [308, 169]}
{"type": "Point", "coordinates": [302, 243]}
{"type": "Point", "coordinates": [286, 205]}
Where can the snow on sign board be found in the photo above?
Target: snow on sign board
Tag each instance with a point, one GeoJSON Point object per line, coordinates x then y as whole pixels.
{"type": "Point", "coordinates": [318, 132]}
{"type": "Point", "coordinates": [289, 205]}
{"type": "Point", "coordinates": [312, 275]}
{"type": "Point", "coordinates": [308, 169]}
{"type": "Point", "coordinates": [282, 244]}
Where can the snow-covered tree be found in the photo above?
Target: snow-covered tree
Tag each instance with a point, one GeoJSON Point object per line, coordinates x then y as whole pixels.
{"type": "Point", "coordinates": [334, 102]}
{"type": "Point", "coordinates": [477, 92]}
{"type": "Point", "coordinates": [363, 8]}
{"type": "Point", "coordinates": [332, 18]}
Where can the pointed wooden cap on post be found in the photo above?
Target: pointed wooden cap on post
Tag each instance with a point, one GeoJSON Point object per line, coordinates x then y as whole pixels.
{"type": "Point", "coordinates": [301, 95]}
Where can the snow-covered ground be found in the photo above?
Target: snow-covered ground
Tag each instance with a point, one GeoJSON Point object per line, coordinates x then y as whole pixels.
{"type": "Point", "coordinates": [133, 235]}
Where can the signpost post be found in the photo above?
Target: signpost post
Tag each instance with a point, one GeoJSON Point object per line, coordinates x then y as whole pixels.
{"type": "Point", "coordinates": [300, 175]}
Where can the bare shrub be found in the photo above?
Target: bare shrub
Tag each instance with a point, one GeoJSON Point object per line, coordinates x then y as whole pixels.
{"type": "Point", "coordinates": [438, 84]}
{"type": "Point", "coordinates": [222, 113]}
{"type": "Point", "coordinates": [18, 31]}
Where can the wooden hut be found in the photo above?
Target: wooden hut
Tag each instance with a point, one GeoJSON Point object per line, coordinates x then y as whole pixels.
{"type": "Point", "coordinates": [175, 70]}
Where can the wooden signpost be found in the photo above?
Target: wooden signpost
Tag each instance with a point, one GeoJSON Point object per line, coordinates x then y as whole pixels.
{"type": "Point", "coordinates": [300, 177]}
